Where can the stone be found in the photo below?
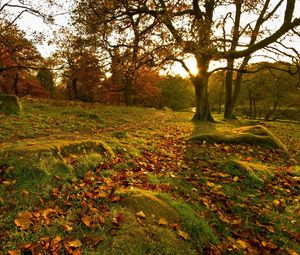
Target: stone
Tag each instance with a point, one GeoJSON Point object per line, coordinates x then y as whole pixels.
{"type": "Point", "coordinates": [150, 205]}
{"type": "Point", "coordinates": [252, 135]}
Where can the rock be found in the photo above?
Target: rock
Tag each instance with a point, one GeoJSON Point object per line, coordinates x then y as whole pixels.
{"type": "Point", "coordinates": [10, 104]}
{"type": "Point", "coordinates": [150, 205]}
{"type": "Point", "coordinates": [57, 148]}
{"type": "Point", "coordinates": [252, 135]}
{"type": "Point", "coordinates": [261, 171]}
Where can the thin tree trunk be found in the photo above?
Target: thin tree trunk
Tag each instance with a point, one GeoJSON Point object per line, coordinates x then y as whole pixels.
{"type": "Point", "coordinates": [254, 107]}
{"type": "Point", "coordinates": [221, 95]}
{"type": "Point", "coordinates": [250, 105]}
{"type": "Point", "coordinates": [74, 89]}
{"type": "Point", "coordinates": [15, 84]}
{"type": "Point", "coordinates": [228, 91]}
{"type": "Point", "coordinates": [128, 90]}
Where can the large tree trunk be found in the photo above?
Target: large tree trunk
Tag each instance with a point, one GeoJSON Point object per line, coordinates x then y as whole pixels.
{"type": "Point", "coordinates": [200, 83]}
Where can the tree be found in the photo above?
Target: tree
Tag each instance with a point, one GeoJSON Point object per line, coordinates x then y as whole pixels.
{"type": "Point", "coordinates": [46, 77]}
{"type": "Point", "coordinates": [193, 27]}
{"type": "Point", "coordinates": [17, 55]}
{"type": "Point", "coordinates": [255, 31]}
{"type": "Point", "coordinates": [81, 71]}
{"type": "Point", "coordinates": [145, 91]}
{"type": "Point", "coordinates": [176, 93]}
{"type": "Point", "coordinates": [270, 91]}
{"type": "Point", "coordinates": [125, 38]}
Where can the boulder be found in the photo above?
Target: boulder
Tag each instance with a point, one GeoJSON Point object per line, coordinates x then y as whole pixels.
{"type": "Point", "coordinates": [57, 148]}
{"type": "Point", "coordinates": [10, 104]}
{"type": "Point", "coordinates": [150, 205]}
{"type": "Point", "coordinates": [252, 135]}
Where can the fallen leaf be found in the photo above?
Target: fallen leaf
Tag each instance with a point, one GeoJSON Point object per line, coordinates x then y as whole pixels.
{"type": "Point", "coordinates": [72, 246]}
{"type": "Point", "coordinates": [210, 184]}
{"type": "Point", "coordinates": [139, 220]}
{"type": "Point", "coordinates": [236, 222]}
{"type": "Point", "coordinates": [74, 243]}
{"type": "Point", "coordinates": [55, 244]}
{"type": "Point", "coordinates": [270, 229]}
{"type": "Point", "coordinates": [101, 195]}
{"type": "Point", "coordinates": [14, 252]}
{"type": "Point", "coordinates": [242, 244]}
{"type": "Point", "coordinates": [23, 220]}
{"type": "Point", "coordinates": [235, 178]}
{"type": "Point", "coordinates": [115, 199]}
{"type": "Point", "coordinates": [46, 213]}
{"type": "Point", "coordinates": [163, 222]}
{"type": "Point", "coordinates": [89, 194]}
{"type": "Point", "coordinates": [183, 234]}
{"type": "Point", "coordinates": [140, 214]}
{"type": "Point", "coordinates": [67, 228]}
{"type": "Point", "coordinates": [292, 252]}
{"type": "Point", "coordinates": [25, 193]}
{"type": "Point", "coordinates": [87, 220]}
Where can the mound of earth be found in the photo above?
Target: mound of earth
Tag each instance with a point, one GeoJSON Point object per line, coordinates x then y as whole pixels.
{"type": "Point", "coordinates": [150, 205]}
{"type": "Point", "coordinates": [252, 135]}
{"type": "Point", "coordinates": [61, 148]}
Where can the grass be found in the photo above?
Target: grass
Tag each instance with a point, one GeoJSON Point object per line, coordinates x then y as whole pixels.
{"type": "Point", "coordinates": [224, 208]}
{"type": "Point", "coordinates": [199, 229]}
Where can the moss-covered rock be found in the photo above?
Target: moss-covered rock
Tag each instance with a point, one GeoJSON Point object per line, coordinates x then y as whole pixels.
{"type": "Point", "coordinates": [152, 206]}
{"type": "Point", "coordinates": [10, 104]}
{"type": "Point", "coordinates": [253, 135]}
{"type": "Point", "coordinates": [261, 171]}
{"type": "Point", "coordinates": [63, 148]}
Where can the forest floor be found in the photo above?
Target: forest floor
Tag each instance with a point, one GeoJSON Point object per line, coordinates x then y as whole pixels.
{"type": "Point", "coordinates": [87, 179]}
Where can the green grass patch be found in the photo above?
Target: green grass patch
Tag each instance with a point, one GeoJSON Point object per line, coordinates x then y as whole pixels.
{"type": "Point", "coordinates": [202, 234]}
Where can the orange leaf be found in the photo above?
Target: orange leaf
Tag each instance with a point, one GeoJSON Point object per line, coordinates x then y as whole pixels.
{"type": "Point", "coordinates": [115, 199]}
{"type": "Point", "coordinates": [87, 220]}
{"type": "Point", "coordinates": [74, 243]}
{"type": "Point", "coordinates": [163, 222]}
{"type": "Point", "coordinates": [292, 252]}
{"type": "Point", "coordinates": [67, 228]}
{"type": "Point", "coordinates": [242, 244]}
{"type": "Point", "coordinates": [23, 220]}
{"type": "Point", "coordinates": [14, 252]}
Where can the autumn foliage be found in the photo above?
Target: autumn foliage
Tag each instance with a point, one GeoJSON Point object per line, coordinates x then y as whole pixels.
{"type": "Point", "coordinates": [18, 57]}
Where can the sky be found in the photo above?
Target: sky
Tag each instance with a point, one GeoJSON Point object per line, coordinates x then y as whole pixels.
{"type": "Point", "coordinates": [30, 23]}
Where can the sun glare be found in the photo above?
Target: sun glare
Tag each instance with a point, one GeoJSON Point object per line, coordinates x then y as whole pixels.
{"type": "Point", "coordinates": [177, 69]}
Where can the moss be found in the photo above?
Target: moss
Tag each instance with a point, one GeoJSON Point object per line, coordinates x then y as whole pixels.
{"type": "Point", "coordinates": [199, 229]}
{"type": "Point", "coordinates": [119, 134]}
{"type": "Point", "coordinates": [10, 104]}
{"type": "Point", "coordinates": [253, 135]}
{"type": "Point", "coordinates": [62, 148]}
{"type": "Point", "coordinates": [152, 207]}
{"type": "Point", "coordinates": [87, 162]}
